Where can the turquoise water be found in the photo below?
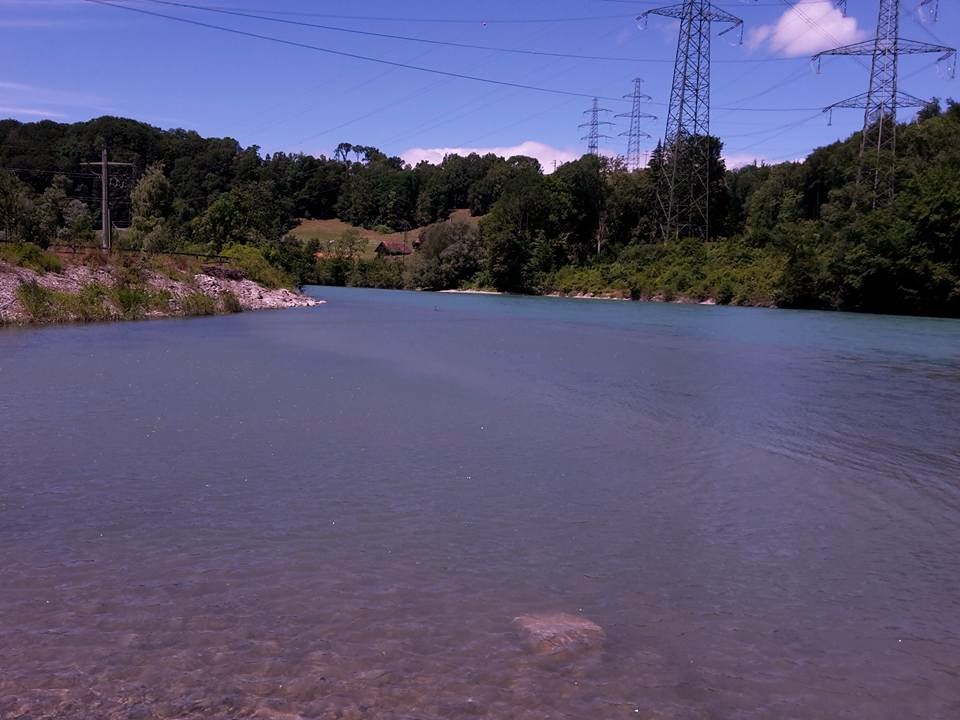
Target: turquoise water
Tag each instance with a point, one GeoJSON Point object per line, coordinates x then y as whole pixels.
{"type": "Point", "coordinates": [338, 511]}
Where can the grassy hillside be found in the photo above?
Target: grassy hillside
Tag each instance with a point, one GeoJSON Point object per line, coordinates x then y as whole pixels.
{"type": "Point", "coordinates": [325, 232]}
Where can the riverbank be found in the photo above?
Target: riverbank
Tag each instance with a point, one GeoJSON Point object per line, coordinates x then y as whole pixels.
{"type": "Point", "coordinates": [91, 287]}
{"type": "Point", "coordinates": [617, 295]}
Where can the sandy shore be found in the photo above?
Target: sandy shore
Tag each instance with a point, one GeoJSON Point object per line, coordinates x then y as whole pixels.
{"type": "Point", "coordinates": [472, 292]}
{"type": "Point", "coordinates": [597, 296]}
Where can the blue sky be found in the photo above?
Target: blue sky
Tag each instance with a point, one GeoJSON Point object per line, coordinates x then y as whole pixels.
{"type": "Point", "coordinates": [71, 60]}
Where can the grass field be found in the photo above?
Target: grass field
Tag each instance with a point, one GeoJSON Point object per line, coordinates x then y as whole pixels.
{"type": "Point", "coordinates": [326, 231]}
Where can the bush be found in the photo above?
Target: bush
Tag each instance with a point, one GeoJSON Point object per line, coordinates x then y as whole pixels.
{"type": "Point", "coordinates": [89, 305]}
{"type": "Point", "coordinates": [380, 273]}
{"type": "Point", "coordinates": [45, 305]}
{"type": "Point", "coordinates": [450, 254]}
{"type": "Point", "coordinates": [39, 302]}
{"type": "Point", "coordinates": [197, 303]}
{"type": "Point", "coordinates": [230, 303]}
{"type": "Point", "coordinates": [258, 269]}
{"type": "Point", "coordinates": [132, 300]}
{"type": "Point", "coordinates": [30, 256]}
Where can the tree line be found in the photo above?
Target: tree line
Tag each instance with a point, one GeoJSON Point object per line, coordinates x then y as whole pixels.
{"type": "Point", "coordinates": [796, 234]}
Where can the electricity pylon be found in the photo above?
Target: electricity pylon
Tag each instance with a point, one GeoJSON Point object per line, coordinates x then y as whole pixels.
{"type": "Point", "coordinates": [683, 188]}
{"type": "Point", "coordinates": [635, 134]}
{"type": "Point", "coordinates": [878, 141]}
{"type": "Point", "coordinates": [593, 127]}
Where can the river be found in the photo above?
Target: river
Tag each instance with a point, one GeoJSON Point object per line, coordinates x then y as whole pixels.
{"type": "Point", "coordinates": [336, 512]}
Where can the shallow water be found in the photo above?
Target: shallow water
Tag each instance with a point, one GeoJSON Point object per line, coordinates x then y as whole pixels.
{"type": "Point", "coordinates": [336, 512]}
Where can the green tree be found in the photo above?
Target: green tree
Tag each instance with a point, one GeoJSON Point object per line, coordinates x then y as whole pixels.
{"type": "Point", "coordinates": [152, 202]}
{"type": "Point", "coordinates": [349, 245]}
{"type": "Point", "coordinates": [16, 207]}
{"type": "Point", "coordinates": [450, 253]}
{"type": "Point", "coordinates": [50, 209]}
{"type": "Point", "coordinates": [526, 234]}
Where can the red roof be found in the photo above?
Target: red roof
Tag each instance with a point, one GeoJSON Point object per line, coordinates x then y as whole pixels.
{"type": "Point", "coordinates": [393, 247]}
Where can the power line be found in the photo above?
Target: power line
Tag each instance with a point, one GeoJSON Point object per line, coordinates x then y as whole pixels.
{"type": "Point", "coordinates": [782, 130]}
{"type": "Point", "coordinates": [414, 95]}
{"type": "Point", "coordinates": [304, 109]}
{"type": "Point", "coordinates": [797, 74]}
{"type": "Point", "coordinates": [341, 53]}
{"type": "Point", "coordinates": [519, 121]}
{"type": "Point", "coordinates": [482, 102]}
{"type": "Point", "coordinates": [88, 175]}
{"type": "Point", "coordinates": [429, 41]}
{"type": "Point", "coordinates": [815, 25]}
{"type": "Point", "coordinates": [432, 20]}
{"type": "Point", "coordinates": [391, 36]}
{"type": "Point", "coordinates": [454, 114]}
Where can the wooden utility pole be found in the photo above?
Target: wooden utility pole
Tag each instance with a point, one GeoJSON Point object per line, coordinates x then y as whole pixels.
{"type": "Point", "coordinates": [105, 243]}
{"type": "Point", "coordinates": [104, 201]}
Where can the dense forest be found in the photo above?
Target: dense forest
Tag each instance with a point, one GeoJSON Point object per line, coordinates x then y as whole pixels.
{"type": "Point", "coordinates": [803, 235]}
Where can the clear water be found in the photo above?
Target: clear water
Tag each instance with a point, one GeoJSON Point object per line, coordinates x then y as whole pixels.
{"type": "Point", "coordinates": [336, 512]}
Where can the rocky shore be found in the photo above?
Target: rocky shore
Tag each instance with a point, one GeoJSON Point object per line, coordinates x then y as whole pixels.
{"type": "Point", "coordinates": [84, 291]}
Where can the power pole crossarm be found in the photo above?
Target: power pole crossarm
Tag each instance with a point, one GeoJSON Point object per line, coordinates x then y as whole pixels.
{"type": "Point", "coordinates": [701, 10]}
{"type": "Point", "coordinates": [901, 47]}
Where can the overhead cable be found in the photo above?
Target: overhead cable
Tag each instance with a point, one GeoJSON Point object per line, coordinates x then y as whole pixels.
{"type": "Point", "coordinates": [342, 53]}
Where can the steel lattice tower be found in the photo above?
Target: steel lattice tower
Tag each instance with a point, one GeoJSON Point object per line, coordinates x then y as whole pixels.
{"type": "Point", "coordinates": [635, 134]}
{"type": "Point", "coordinates": [878, 141]}
{"type": "Point", "coordinates": [684, 183]}
{"type": "Point", "coordinates": [593, 127]}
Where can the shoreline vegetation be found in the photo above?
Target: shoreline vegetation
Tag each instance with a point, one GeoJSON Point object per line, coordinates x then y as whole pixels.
{"type": "Point", "coordinates": [42, 287]}
{"type": "Point", "coordinates": [807, 234]}
{"type": "Point", "coordinates": [609, 296]}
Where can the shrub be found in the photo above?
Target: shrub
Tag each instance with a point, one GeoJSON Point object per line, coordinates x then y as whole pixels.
{"type": "Point", "coordinates": [160, 301]}
{"type": "Point", "coordinates": [230, 303]}
{"type": "Point", "coordinates": [89, 304]}
{"type": "Point", "coordinates": [30, 256]}
{"type": "Point", "coordinates": [39, 302]}
{"type": "Point", "coordinates": [133, 300]}
{"type": "Point", "coordinates": [251, 260]}
{"type": "Point", "coordinates": [45, 305]}
{"type": "Point", "coordinates": [197, 303]}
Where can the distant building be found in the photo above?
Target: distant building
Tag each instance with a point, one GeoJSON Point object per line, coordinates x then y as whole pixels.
{"type": "Point", "coordinates": [392, 248]}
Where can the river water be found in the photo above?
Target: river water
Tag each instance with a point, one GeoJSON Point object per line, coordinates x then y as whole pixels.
{"type": "Point", "coordinates": [337, 512]}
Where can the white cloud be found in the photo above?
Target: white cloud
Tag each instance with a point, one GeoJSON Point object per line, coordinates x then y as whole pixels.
{"type": "Point", "coordinates": [807, 28]}
{"type": "Point", "coordinates": [32, 112]}
{"type": "Point", "coordinates": [739, 160]}
{"type": "Point", "coordinates": [546, 154]}
{"type": "Point", "coordinates": [20, 94]}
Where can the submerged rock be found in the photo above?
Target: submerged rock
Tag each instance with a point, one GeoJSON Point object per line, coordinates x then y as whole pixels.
{"type": "Point", "coordinates": [560, 634]}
